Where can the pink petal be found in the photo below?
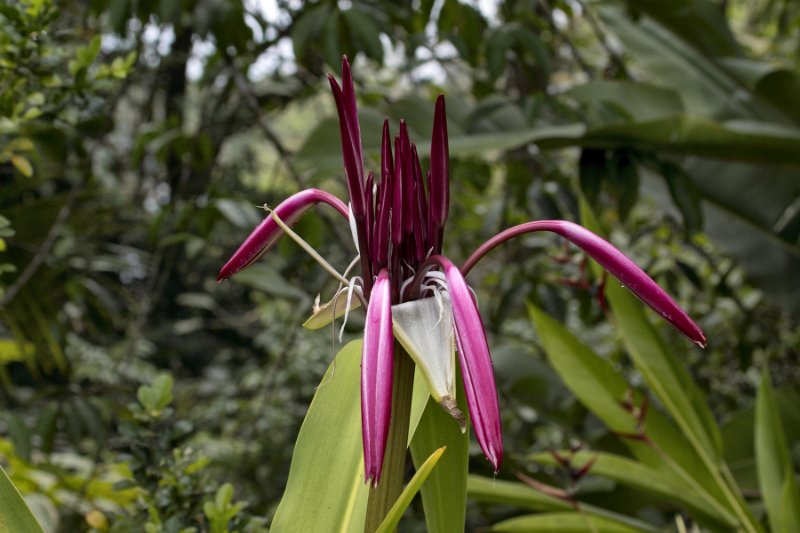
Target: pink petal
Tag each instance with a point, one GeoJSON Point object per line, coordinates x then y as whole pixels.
{"type": "Point", "coordinates": [377, 367]}
{"type": "Point", "coordinates": [476, 363]}
{"type": "Point", "coordinates": [268, 232]}
{"type": "Point", "coordinates": [625, 270]}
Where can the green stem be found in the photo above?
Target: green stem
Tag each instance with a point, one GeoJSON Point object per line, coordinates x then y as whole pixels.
{"type": "Point", "coordinates": [390, 486]}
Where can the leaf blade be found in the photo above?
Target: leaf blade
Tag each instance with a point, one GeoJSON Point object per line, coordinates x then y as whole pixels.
{"type": "Point", "coordinates": [326, 488]}
{"type": "Point", "coordinates": [444, 495]}
{"type": "Point", "coordinates": [774, 464]}
{"type": "Point", "coordinates": [15, 516]}
{"type": "Point", "coordinates": [396, 512]}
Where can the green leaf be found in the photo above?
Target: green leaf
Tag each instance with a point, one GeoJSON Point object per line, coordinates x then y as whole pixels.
{"type": "Point", "coordinates": [156, 396]}
{"type": "Point", "coordinates": [699, 22]}
{"type": "Point", "coordinates": [266, 278]}
{"type": "Point", "coordinates": [592, 379]}
{"type": "Point", "coordinates": [754, 218]}
{"type": "Point", "coordinates": [674, 388]}
{"type": "Point", "coordinates": [22, 165]}
{"type": "Point", "coordinates": [483, 489]}
{"type": "Point", "coordinates": [665, 376]}
{"type": "Point", "coordinates": [497, 45]}
{"type": "Point", "coordinates": [365, 33]}
{"type": "Point", "coordinates": [444, 496]}
{"type": "Point", "coordinates": [743, 140]}
{"type": "Point", "coordinates": [684, 195]}
{"type": "Point", "coordinates": [751, 141]}
{"type": "Point", "coordinates": [706, 89]}
{"type": "Point", "coordinates": [307, 27]}
{"type": "Point", "coordinates": [562, 523]}
{"type": "Point", "coordinates": [602, 390]}
{"type": "Point", "coordinates": [642, 101]}
{"type": "Point", "coordinates": [663, 372]}
{"type": "Point", "coordinates": [240, 213]}
{"type": "Point", "coordinates": [15, 516]}
{"type": "Point", "coordinates": [519, 495]}
{"type": "Point", "coordinates": [326, 489]}
{"type": "Point", "coordinates": [639, 476]}
{"type": "Point", "coordinates": [776, 476]}
{"type": "Point", "coordinates": [396, 512]}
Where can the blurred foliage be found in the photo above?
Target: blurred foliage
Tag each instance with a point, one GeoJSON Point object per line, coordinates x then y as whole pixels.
{"type": "Point", "coordinates": [137, 137]}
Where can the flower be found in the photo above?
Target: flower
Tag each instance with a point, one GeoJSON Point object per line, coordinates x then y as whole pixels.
{"type": "Point", "coordinates": [415, 293]}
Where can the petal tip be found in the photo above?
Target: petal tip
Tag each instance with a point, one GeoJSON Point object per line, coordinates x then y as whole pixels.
{"type": "Point", "coordinates": [701, 342]}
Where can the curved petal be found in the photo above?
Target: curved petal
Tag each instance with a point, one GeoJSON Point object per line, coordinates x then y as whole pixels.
{"type": "Point", "coordinates": [476, 363]}
{"type": "Point", "coordinates": [268, 232]}
{"type": "Point", "coordinates": [617, 263]}
{"type": "Point", "coordinates": [377, 368]}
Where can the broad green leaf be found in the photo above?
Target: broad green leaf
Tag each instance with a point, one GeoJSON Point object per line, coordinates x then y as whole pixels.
{"type": "Point", "coordinates": [326, 489]}
{"type": "Point", "coordinates": [754, 217]}
{"type": "Point", "coordinates": [706, 89]}
{"type": "Point", "coordinates": [15, 517]}
{"type": "Point", "coordinates": [699, 22]}
{"type": "Point", "coordinates": [642, 101]}
{"type": "Point", "coordinates": [776, 477]}
{"type": "Point", "coordinates": [444, 495]}
{"type": "Point", "coordinates": [513, 494]}
{"type": "Point", "coordinates": [573, 522]}
{"type": "Point", "coordinates": [682, 134]}
{"type": "Point", "coordinates": [365, 33]}
{"type": "Point", "coordinates": [751, 140]}
{"type": "Point", "coordinates": [603, 390]}
{"type": "Point", "coordinates": [396, 512]}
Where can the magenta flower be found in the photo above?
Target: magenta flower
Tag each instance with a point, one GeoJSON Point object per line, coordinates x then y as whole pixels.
{"type": "Point", "coordinates": [416, 294]}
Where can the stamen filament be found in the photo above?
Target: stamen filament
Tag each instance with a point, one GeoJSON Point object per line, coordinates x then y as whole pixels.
{"type": "Point", "coordinates": [309, 249]}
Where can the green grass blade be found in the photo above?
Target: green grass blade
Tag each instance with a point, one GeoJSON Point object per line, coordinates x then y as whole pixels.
{"type": "Point", "coordinates": [396, 512]}
{"type": "Point", "coordinates": [573, 522]}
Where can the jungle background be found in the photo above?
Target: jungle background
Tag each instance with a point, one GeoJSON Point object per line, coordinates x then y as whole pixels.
{"type": "Point", "coordinates": [138, 137]}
